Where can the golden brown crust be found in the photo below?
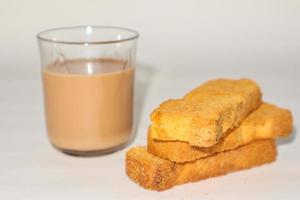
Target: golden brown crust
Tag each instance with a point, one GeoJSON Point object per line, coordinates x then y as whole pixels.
{"type": "Point", "coordinates": [267, 122]}
{"type": "Point", "coordinates": [158, 174]}
{"type": "Point", "coordinates": [205, 114]}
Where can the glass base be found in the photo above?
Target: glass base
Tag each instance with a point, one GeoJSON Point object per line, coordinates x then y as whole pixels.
{"type": "Point", "coordinates": [90, 153]}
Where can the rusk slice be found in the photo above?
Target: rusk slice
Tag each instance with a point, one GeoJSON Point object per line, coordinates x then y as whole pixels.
{"type": "Point", "coordinates": [267, 122]}
{"type": "Point", "coordinates": [207, 113]}
{"type": "Point", "coordinates": [158, 174]}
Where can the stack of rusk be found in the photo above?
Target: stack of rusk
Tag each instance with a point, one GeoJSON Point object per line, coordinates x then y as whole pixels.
{"type": "Point", "coordinates": [220, 127]}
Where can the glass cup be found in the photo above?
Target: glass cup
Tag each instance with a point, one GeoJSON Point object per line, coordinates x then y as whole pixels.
{"type": "Point", "coordinates": [88, 82]}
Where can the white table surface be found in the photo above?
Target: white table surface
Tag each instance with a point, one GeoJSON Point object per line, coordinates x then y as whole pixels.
{"type": "Point", "coordinates": [31, 169]}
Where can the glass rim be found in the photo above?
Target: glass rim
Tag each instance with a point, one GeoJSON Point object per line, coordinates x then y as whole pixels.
{"type": "Point", "coordinates": [42, 38]}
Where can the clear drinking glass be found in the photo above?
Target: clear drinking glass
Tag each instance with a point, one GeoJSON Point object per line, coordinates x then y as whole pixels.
{"type": "Point", "coordinates": [88, 82]}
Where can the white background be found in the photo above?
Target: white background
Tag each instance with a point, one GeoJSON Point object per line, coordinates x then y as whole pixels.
{"type": "Point", "coordinates": [182, 44]}
{"type": "Point", "coordinates": [174, 33]}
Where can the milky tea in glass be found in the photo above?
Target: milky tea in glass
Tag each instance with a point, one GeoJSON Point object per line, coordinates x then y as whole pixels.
{"type": "Point", "coordinates": [88, 82]}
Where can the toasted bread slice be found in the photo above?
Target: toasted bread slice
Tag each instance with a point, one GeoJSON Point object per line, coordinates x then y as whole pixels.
{"type": "Point", "coordinates": [158, 174]}
{"type": "Point", "coordinates": [207, 113]}
{"type": "Point", "coordinates": [246, 88]}
{"type": "Point", "coordinates": [267, 122]}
